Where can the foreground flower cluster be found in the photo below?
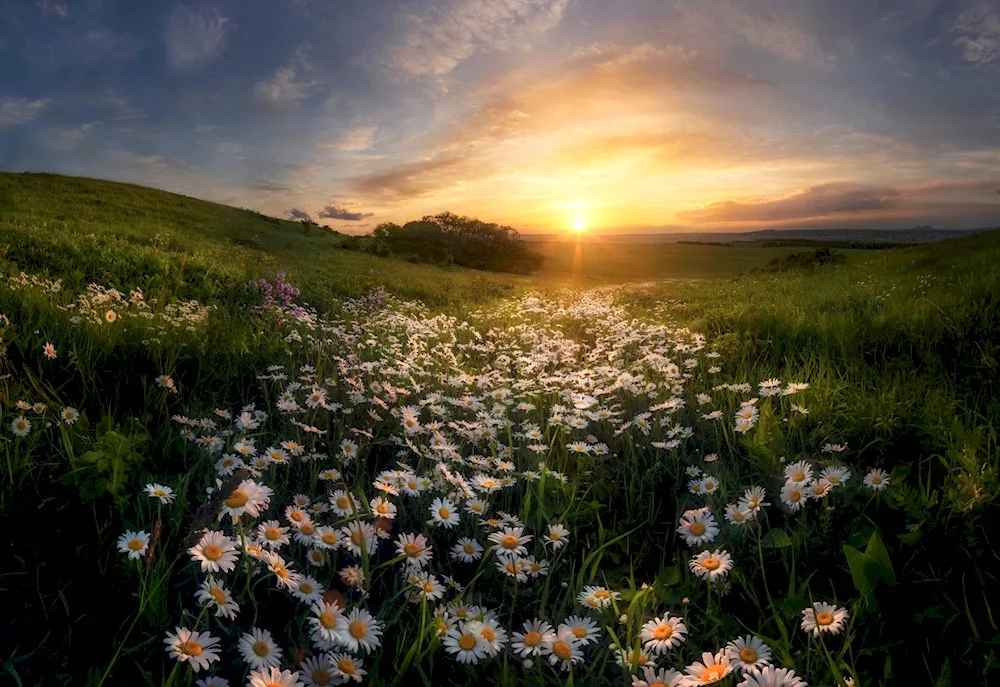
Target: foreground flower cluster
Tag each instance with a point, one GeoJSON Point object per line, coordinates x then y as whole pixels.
{"type": "Point", "coordinates": [420, 478]}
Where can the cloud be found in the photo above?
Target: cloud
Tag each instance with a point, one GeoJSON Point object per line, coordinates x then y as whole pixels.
{"type": "Point", "coordinates": [49, 7]}
{"type": "Point", "coordinates": [102, 45]}
{"type": "Point", "coordinates": [412, 179]}
{"type": "Point", "coordinates": [342, 213]}
{"type": "Point", "coordinates": [14, 111]}
{"type": "Point", "coordinates": [287, 85]}
{"type": "Point", "coordinates": [230, 148]}
{"type": "Point", "coordinates": [833, 198]}
{"type": "Point", "coordinates": [978, 30]}
{"type": "Point", "coordinates": [296, 213]}
{"type": "Point", "coordinates": [269, 186]}
{"type": "Point", "coordinates": [194, 38]}
{"type": "Point", "coordinates": [437, 40]}
{"type": "Point", "coordinates": [357, 139]}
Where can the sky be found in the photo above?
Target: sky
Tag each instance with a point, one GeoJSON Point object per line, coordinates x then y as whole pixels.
{"type": "Point", "coordinates": [609, 115]}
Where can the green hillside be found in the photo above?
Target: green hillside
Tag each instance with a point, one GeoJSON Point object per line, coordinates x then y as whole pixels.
{"type": "Point", "coordinates": [598, 413]}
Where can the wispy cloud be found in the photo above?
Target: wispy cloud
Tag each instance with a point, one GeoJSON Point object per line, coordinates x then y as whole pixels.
{"type": "Point", "coordinates": [437, 39]}
{"type": "Point", "coordinates": [821, 200]}
{"type": "Point", "coordinates": [14, 111]}
{"type": "Point", "coordinates": [288, 85]}
{"type": "Point", "coordinates": [342, 213]}
{"type": "Point", "coordinates": [354, 139]}
{"type": "Point", "coordinates": [194, 37]}
{"type": "Point", "coordinates": [58, 9]}
{"type": "Point", "coordinates": [978, 30]}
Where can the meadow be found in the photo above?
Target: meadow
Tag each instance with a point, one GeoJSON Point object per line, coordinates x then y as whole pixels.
{"type": "Point", "coordinates": [235, 452]}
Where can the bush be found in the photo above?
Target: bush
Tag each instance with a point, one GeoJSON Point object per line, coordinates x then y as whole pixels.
{"type": "Point", "coordinates": [466, 241]}
{"type": "Point", "coordinates": [806, 260]}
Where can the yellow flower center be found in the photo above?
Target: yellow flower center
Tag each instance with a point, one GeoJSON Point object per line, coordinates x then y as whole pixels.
{"type": "Point", "coordinates": [191, 648]}
{"type": "Point", "coordinates": [444, 513]}
{"type": "Point", "coordinates": [824, 618]}
{"type": "Point", "coordinates": [532, 639]}
{"type": "Point", "coordinates": [411, 549]}
{"type": "Point", "coordinates": [411, 484]}
{"type": "Point", "coordinates": [307, 529]}
{"type": "Point", "coordinates": [738, 516]}
{"type": "Point", "coordinates": [488, 634]}
{"type": "Point", "coordinates": [272, 533]}
{"type": "Point", "coordinates": [663, 632]}
{"type": "Point", "coordinates": [321, 676]}
{"type": "Point", "coordinates": [218, 595]}
{"type": "Point", "coordinates": [469, 549]}
{"type": "Point", "coordinates": [261, 649]}
{"type": "Point", "coordinates": [357, 537]}
{"type": "Point", "coordinates": [328, 620]}
{"type": "Point", "coordinates": [381, 509]}
{"type": "Point", "coordinates": [280, 570]}
{"type": "Point", "coordinates": [510, 542]}
{"type": "Point", "coordinates": [602, 594]}
{"type": "Point", "coordinates": [296, 516]}
{"type": "Point", "coordinates": [159, 492]}
{"type": "Point", "coordinates": [794, 496]}
{"type": "Point", "coordinates": [346, 666]}
{"type": "Point", "coordinates": [237, 499]}
{"type": "Point", "coordinates": [593, 603]}
{"type": "Point", "coordinates": [212, 552]}
{"type": "Point", "coordinates": [467, 642]}
{"type": "Point", "coordinates": [697, 529]}
{"type": "Point", "coordinates": [713, 673]}
{"type": "Point", "coordinates": [832, 479]}
{"type": "Point", "coordinates": [798, 476]}
{"type": "Point", "coordinates": [329, 538]}
{"type": "Point", "coordinates": [710, 564]}
{"type": "Point", "coordinates": [343, 503]}
{"type": "Point", "coordinates": [306, 588]}
{"type": "Point", "coordinates": [358, 629]}
{"type": "Point", "coordinates": [748, 655]}
{"type": "Point", "coordinates": [135, 545]}
{"type": "Point", "coordinates": [876, 480]}
{"type": "Point", "coordinates": [579, 632]}
{"type": "Point", "coordinates": [562, 650]}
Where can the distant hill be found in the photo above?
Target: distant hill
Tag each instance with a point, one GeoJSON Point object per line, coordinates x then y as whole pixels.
{"type": "Point", "coordinates": [919, 234]}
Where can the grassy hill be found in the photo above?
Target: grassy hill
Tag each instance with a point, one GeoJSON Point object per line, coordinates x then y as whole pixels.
{"type": "Point", "coordinates": [899, 349]}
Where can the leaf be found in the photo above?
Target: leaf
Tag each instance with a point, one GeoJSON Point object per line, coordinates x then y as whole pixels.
{"type": "Point", "coordinates": [876, 549]}
{"type": "Point", "coordinates": [669, 576]}
{"type": "Point", "coordinates": [775, 539]}
{"type": "Point", "coordinates": [864, 570]}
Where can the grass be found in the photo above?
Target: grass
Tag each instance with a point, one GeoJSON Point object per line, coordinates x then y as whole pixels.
{"type": "Point", "coordinates": [899, 349]}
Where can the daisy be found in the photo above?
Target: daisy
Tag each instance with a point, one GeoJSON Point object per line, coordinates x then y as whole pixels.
{"type": "Point", "coordinates": [214, 593]}
{"type": "Point", "coordinates": [626, 658]}
{"type": "Point", "coordinates": [748, 652]}
{"type": "Point", "coordinates": [348, 449]}
{"type": "Point", "coordinates": [69, 415]}
{"type": "Point", "coordinates": [216, 551]}
{"type": "Point", "coordinates": [494, 636]}
{"type": "Point", "coordinates": [836, 474]}
{"type": "Point", "coordinates": [596, 597]}
{"type": "Point", "coordinates": [711, 668]}
{"type": "Point", "coordinates": [426, 587]}
{"type": "Point", "coordinates": [346, 667]}
{"type": "Point", "coordinates": [698, 527]}
{"type": "Point", "coordinates": [876, 480]}
{"type": "Point", "coordinates": [21, 426]}
{"type": "Point", "coordinates": [823, 617]}
{"type": "Point", "coordinates": [557, 537]}
{"type": "Point", "coordinates": [259, 649]}
{"type": "Point", "coordinates": [737, 514]}
{"type": "Point", "coordinates": [415, 548]}
{"type": "Point", "coordinates": [800, 472]}
{"type": "Point", "coordinates": [657, 678]}
{"type": "Point", "coordinates": [273, 534]}
{"type": "Point", "coordinates": [199, 649]}
{"type": "Point", "coordinates": [283, 575]}
{"type": "Point", "coordinates": [49, 351]}
{"type": "Point", "coordinates": [467, 550]}
{"type": "Point", "coordinates": [475, 507]}
{"type": "Point", "coordinates": [444, 513]}
{"type": "Point", "coordinates": [308, 589]}
{"type": "Point", "coordinates": [326, 537]}
{"type": "Point", "coordinates": [158, 491]}
{"type": "Point", "coordinates": [214, 681]}
{"type": "Point", "coordinates": [343, 505]}
{"type": "Point", "coordinates": [661, 634]}
{"type": "Point", "coordinates": [536, 634]}
{"type": "Point", "coordinates": [383, 508]}
{"type": "Point", "coordinates": [361, 632]}
{"type": "Point", "coordinates": [466, 643]}
{"type": "Point", "coordinates": [135, 544]}
{"type": "Point", "coordinates": [585, 630]}
{"type": "Point", "coordinates": [510, 542]}
{"type": "Point", "coordinates": [317, 670]}
{"type": "Point", "coordinates": [563, 650]}
{"type": "Point", "coordinates": [273, 677]}
{"type": "Point", "coordinates": [248, 497]}
{"type": "Point", "coordinates": [769, 676]}
{"type": "Point", "coordinates": [358, 534]}
{"type": "Point", "coordinates": [327, 624]}
{"type": "Point", "coordinates": [753, 499]}
{"type": "Point", "coordinates": [711, 566]}
{"type": "Point", "coordinates": [793, 495]}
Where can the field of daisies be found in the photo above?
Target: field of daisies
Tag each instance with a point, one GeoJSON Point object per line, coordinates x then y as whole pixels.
{"type": "Point", "coordinates": [558, 488]}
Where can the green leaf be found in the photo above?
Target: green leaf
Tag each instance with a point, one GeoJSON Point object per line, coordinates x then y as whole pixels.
{"type": "Point", "coordinates": [775, 539]}
{"type": "Point", "coordinates": [864, 570]}
{"type": "Point", "coordinates": [876, 550]}
{"type": "Point", "coordinates": [669, 576]}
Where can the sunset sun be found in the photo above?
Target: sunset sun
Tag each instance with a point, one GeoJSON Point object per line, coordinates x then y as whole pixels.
{"type": "Point", "coordinates": [579, 224]}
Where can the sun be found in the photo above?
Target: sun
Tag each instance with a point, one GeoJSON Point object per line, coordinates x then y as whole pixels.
{"type": "Point", "coordinates": [579, 224]}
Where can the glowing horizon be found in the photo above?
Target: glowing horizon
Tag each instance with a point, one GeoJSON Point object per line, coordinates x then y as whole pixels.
{"type": "Point", "coordinates": [545, 115]}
